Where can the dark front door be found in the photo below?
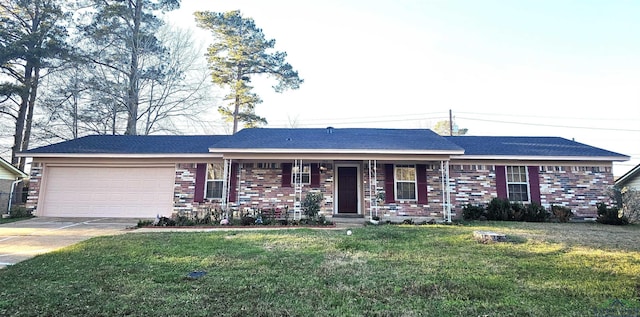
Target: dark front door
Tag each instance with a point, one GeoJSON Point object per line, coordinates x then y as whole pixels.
{"type": "Point", "coordinates": [348, 190]}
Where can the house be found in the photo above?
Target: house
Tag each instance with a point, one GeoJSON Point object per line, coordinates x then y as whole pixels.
{"type": "Point", "coordinates": [390, 173]}
{"type": "Point", "coordinates": [10, 177]}
{"type": "Point", "coordinates": [630, 179]}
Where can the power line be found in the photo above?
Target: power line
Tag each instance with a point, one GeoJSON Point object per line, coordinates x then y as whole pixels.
{"type": "Point", "coordinates": [347, 121]}
{"type": "Point", "coordinates": [549, 125]}
{"type": "Point", "coordinates": [548, 117]}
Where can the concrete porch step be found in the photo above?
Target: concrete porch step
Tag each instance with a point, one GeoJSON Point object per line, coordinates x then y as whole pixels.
{"type": "Point", "coordinates": [346, 222]}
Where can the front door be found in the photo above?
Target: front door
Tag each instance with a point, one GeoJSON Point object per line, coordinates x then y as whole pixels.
{"type": "Point", "coordinates": [347, 190]}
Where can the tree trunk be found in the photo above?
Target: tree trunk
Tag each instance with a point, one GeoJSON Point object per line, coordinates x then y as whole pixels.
{"type": "Point", "coordinates": [22, 114]}
{"type": "Point", "coordinates": [236, 108]}
{"type": "Point", "coordinates": [133, 93]}
{"type": "Point", "coordinates": [29, 120]}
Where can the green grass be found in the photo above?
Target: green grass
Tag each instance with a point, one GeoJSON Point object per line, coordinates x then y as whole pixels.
{"type": "Point", "coordinates": [8, 220]}
{"type": "Point", "coordinates": [546, 270]}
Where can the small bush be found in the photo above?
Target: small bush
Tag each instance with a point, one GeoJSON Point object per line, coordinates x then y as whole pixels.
{"type": "Point", "coordinates": [517, 212]}
{"type": "Point", "coordinates": [408, 221]}
{"type": "Point", "coordinates": [184, 221]}
{"type": "Point", "coordinates": [499, 209]}
{"type": "Point", "coordinates": [563, 214]}
{"type": "Point", "coordinates": [20, 212]}
{"type": "Point", "coordinates": [311, 204]}
{"type": "Point", "coordinates": [534, 212]}
{"type": "Point", "coordinates": [247, 220]}
{"type": "Point", "coordinates": [610, 215]}
{"type": "Point", "coordinates": [472, 212]}
{"type": "Point", "coordinates": [144, 223]}
{"type": "Point", "coordinates": [165, 222]}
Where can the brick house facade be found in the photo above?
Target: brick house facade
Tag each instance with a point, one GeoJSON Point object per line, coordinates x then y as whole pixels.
{"type": "Point", "coordinates": [578, 187]}
{"type": "Point", "coordinates": [392, 174]}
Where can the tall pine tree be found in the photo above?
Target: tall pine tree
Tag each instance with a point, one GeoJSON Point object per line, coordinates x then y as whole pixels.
{"type": "Point", "coordinates": [240, 51]}
{"type": "Point", "coordinates": [122, 36]}
{"type": "Point", "coordinates": [32, 36]}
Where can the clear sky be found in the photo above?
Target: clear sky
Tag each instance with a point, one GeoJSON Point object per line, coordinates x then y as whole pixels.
{"type": "Point", "coordinates": [504, 67]}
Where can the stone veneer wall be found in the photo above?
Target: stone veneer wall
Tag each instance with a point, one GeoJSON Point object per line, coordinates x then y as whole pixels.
{"type": "Point", "coordinates": [34, 187]}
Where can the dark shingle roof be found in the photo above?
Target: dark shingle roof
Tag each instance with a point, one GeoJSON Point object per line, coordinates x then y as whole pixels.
{"type": "Point", "coordinates": [338, 139]}
{"type": "Point", "coordinates": [133, 144]}
{"type": "Point", "coordinates": [325, 139]}
{"type": "Point", "coordinates": [528, 146]}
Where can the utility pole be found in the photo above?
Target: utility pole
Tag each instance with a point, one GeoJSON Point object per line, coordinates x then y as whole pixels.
{"type": "Point", "coordinates": [450, 123]}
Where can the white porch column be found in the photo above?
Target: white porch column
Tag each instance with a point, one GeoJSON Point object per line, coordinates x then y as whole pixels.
{"type": "Point", "coordinates": [373, 188]}
{"type": "Point", "coordinates": [297, 186]}
{"type": "Point", "coordinates": [446, 190]}
{"type": "Point", "coordinates": [225, 186]}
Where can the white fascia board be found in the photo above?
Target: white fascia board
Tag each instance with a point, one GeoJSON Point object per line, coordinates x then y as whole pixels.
{"type": "Point", "coordinates": [12, 168]}
{"type": "Point", "coordinates": [628, 175]}
{"type": "Point", "coordinates": [118, 155]}
{"type": "Point", "coordinates": [541, 158]}
{"type": "Point", "coordinates": [334, 151]}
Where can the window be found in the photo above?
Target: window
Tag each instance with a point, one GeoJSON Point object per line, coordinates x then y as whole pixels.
{"type": "Point", "coordinates": [268, 165]}
{"type": "Point", "coordinates": [517, 183]}
{"type": "Point", "coordinates": [405, 178]}
{"type": "Point", "coordinates": [215, 179]}
{"type": "Point", "coordinates": [306, 174]}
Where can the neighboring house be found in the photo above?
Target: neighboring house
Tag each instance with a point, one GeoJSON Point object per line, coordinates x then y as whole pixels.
{"type": "Point", "coordinates": [630, 179]}
{"type": "Point", "coordinates": [10, 178]}
{"type": "Point", "coordinates": [391, 173]}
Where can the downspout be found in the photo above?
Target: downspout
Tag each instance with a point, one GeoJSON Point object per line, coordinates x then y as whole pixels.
{"type": "Point", "coordinates": [13, 185]}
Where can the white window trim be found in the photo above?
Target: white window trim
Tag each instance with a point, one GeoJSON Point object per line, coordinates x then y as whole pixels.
{"type": "Point", "coordinates": [396, 181]}
{"type": "Point", "coordinates": [526, 182]}
{"type": "Point", "coordinates": [294, 173]}
{"type": "Point", "coordinates": [206, 183]}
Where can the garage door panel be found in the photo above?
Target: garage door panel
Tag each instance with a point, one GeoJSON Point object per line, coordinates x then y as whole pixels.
{"type": "Point", "coordinates": [108, 192]}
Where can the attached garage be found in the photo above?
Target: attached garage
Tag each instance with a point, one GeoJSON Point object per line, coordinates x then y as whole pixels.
{"type": "Point", "coordinates": [112, 191]}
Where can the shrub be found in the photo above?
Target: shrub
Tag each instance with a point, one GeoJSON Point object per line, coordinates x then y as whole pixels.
{"type": "Point", "coordinates": [499, 209]}
{"type": "Point", "coordinates": [563, 214]}
{"type": "Point", "coordinates": [184, 221]}
{"type": "Point", "coordinates": [610, 215]}
{"type": "Point", "coordinates": [534, 212]}
{"type": "Point", "coordinates": [165, 222]}
{"type": "Point", "coordinates": [517, 212]}
{"type": "Point", "coordinates": [472, 212]}
{"type": "Point", "coordinates": [144, 223]}
{"type": "Point", "coordinates": [247, 220]}
{"type": "Point", "coordinates": [20, 212]}
{"type": "Point", "coordinates": [407, 221]}
{"type": "Point", "coordinates": [311, 204]}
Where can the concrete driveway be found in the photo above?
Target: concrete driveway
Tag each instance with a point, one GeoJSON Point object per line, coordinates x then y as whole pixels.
{"type": "Point", "coordinates": [24, 239]}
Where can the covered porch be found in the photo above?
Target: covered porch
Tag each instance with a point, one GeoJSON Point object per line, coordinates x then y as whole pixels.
{"type": "Point", "coordinates": [385, 189]}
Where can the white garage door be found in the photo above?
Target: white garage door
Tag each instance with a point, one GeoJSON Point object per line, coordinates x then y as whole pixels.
{"type": "Point", "coordinates": [127, 192]}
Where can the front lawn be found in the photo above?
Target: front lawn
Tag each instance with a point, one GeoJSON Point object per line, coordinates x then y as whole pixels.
{"type": "Point", "coordinates": [545, 270]}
